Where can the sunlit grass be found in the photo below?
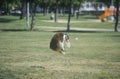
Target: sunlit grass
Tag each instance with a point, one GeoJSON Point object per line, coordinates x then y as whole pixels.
{"type": "Point", "coordinates": [25, 54]}
{"type": "Point", "coordinates": [82, 22]}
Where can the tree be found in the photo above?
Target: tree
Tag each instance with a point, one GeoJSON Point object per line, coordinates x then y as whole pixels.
{"type": "Point", "coordinates": [28, 8]}
{"type": "Point", "coordinates": [69, 17]}
{"type": "Point", "coordinates": [7, 5]}
{"type": "Point", "coordinates": [23, 8]}
{"type": "Point", "coordinates": [44, 4]}
{"type": "Point", "coordinates": [117, 16]}
{"type": "Point", "coordinates": [104, 1]}
{"type": "Point", "coordinates": [56, 10]}
{"type": "Point", "coordinates": [33, 5]}
{"type": "Point", "coordinates": [77, 5]}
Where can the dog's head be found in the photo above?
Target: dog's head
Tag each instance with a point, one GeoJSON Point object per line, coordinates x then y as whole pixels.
{"type": "Point", "coordinates": [67, 40]}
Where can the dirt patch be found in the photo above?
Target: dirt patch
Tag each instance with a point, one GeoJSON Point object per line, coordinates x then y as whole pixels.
{"type": "Point", "coordinates": [65, 21]}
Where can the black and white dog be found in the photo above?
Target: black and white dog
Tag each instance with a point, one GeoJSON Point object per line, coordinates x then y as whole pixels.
{"type": "Point", "coordinates": [57, 42]}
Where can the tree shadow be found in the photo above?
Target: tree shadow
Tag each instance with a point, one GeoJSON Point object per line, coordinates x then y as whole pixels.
{"type": "Point", "coordinates": [13, 30]}
{"type": "Point", "coordinates": [70, 31]}
{"type": "Point", "coordinates": [115, 35]}
{"type": "Point", "coordinates": [4, 20]}
{"type": "Point", "coordinates": [78, 31]}
{"type": "Point", "coordinates": [91, 17]}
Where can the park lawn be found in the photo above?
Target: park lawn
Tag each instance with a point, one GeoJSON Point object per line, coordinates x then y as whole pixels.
{"type": "Point", "coordinates": [25, 54]}
{"type": "Point", "coordinates": [84, 21]}
{"type": "Point", "coordinates": [13, 22]}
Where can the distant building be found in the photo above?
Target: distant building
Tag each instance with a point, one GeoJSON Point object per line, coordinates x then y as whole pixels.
{"type": "Point", "coordinates": [90, 6]}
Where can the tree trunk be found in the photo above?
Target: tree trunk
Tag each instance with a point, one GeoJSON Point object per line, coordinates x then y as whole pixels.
{"type": "Point", "coordinates": [33, 16]}
{"type": "Point", "coordinates": [96, 10]}
{"type": "Point", "coordinates": [117, 16]}
{"type": "Point", "coordinates": [56, 11]}
{"type": "Point", "coordinates": [28, 14]}
{"type": "Point", "coordinates": [23, 10]}
{"type": "Point", "coordinates": [45, 9]}
{"type": "Point", "coordinates": [7, 8]}
{"type": "Point", "coordinates": [77, 14]}
{"type": "Point", "coordinates": [69, 17]}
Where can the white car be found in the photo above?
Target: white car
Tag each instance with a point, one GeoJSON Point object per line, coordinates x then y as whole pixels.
{"type": "Point", "coordinates": [15, 12]}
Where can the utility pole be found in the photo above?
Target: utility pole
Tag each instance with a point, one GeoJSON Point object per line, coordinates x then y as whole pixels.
{"type": "Point", "coordinates": [28, 14]}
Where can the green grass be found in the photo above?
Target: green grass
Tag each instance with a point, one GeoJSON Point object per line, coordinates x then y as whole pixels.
{"type": "Point", "coordinates": [26, 55]}
{"type": "Point", "coordinates": [86, 24]}
{"type": "Point", "coordinates": [14, 22]}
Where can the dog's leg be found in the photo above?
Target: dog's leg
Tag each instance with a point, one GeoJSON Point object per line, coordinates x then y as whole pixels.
{"type": "Point", "coordinates": [62, 45]}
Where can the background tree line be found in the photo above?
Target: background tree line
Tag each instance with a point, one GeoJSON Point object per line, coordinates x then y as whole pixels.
{"type": "Point", "coordinates": [52, 5]}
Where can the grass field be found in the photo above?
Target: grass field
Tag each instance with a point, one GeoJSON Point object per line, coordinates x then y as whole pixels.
{"type": "Point", "coordinates": [26, 55]}
{"type": "Point", "coordinates": [40, 20]}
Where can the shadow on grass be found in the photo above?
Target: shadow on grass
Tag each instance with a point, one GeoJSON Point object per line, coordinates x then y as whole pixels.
{"type": "Point", "coordinates": [22, 30]}
{"type": "Point", "coordinates": [37, 30]}
{"type": "Point", "coordinates": [115, 35]}
{"type": "Point", "coordinates": [4, 20]}
{"type": "Point", "coordinates": [78, 31]}
{"type": "Point", "coordinates": [13, 30]}
{"type": "Point", "coordinates": [91, 18]}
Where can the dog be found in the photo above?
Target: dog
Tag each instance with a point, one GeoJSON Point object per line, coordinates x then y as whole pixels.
{"type": "Point", "coordinates": [58, 41]}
